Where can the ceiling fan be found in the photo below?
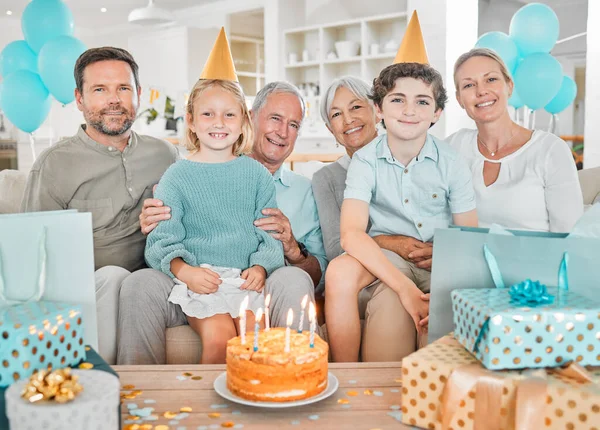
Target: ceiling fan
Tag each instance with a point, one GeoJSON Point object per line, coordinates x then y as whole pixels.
{"type": "Point", "coordinates": [150, 15]}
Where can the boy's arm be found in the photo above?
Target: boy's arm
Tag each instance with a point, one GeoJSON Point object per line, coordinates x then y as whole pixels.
{"type": "Point", "coordinates": [462, 195]}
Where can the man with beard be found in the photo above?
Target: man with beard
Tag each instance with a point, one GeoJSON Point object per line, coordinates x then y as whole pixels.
{"type": "Point", "coordinates": [106, 169]}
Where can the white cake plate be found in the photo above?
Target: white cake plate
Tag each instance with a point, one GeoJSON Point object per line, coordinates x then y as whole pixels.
{"type": "Point", "coordinates": [220, 386]}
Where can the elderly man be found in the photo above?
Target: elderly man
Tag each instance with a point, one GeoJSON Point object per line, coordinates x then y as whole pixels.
{"type": "Point", "coordinates": [145, 311]}
{"type": "Point", "coordinates": [106, 169]}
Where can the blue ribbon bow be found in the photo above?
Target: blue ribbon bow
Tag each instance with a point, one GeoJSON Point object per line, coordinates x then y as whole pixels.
{"type": "Point", "coordinates": [530, 293]}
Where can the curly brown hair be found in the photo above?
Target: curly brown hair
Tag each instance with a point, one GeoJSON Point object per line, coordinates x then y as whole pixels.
{"type": "Point", "coordinates": [386, 81]}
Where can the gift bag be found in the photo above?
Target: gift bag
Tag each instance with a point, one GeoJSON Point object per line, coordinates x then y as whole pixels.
{"type": "Point", "coordinates": [57, 247]}
{"type": "Point", "coordinates": [459, 263]}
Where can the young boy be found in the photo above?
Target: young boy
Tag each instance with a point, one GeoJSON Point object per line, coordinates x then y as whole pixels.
{"type": "Point", "coordinates": [408, 183]}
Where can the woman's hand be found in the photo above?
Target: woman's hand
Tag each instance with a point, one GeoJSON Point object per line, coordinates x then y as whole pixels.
{"type": "Point", "coordinates": [255, 277]}
{"type": "Point", "coordinates": [417, 305]}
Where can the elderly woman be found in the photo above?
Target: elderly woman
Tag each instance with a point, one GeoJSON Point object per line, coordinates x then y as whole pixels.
{"type": "Point", "coordinates": [389, 333]}
{"type": "Point", "coordinates": [523, 179]}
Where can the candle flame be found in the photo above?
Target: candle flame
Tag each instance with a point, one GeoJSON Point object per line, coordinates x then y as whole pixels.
{"type": "Point", "coordinates": [304, 300]}
{"type": "Point", "coordinates": [244, 306]}
{"type": "Point", "coordinates": [259, 314]}
{"type": "Point", "coordinates": [290, 317]}
{"type": "Point", "coordinates": [268, 300]}
{"type": "Point", "coordinates": [312, 312]}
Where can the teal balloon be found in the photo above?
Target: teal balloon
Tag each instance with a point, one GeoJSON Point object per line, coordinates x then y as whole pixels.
{"type": "Point", "coordinates": [15, 56]}
{"type": "Point", "coordinates": [565, 96]}
{"type": "Point", "coordinates": [43, 20]}
{"type": "Point", "coordinates": [25, 100]}
{"type": "Point", "coordinates": [515, 101]}
{"type": "Point", "coordinates": [538, 79]}
{"type": "Point", "coordinates": [534, 28]}
{"type": "Point", "coordinates": [503, 45]}
{"type": "Point", "coordinates": [56, 63]}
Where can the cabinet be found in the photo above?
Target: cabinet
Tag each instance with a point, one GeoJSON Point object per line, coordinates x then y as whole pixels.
{"type": "Point", "coordinates": [248, 57]}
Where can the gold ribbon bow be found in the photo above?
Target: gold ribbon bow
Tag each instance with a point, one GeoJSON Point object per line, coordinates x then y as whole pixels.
{"type": "Point", "coordinates": [58, 385]}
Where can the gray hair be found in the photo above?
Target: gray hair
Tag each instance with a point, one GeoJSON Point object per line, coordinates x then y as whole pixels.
{"type": "Point", "coordinates": [276, 87]}
{"type": "Point", "coordinates": [481, 52]}
{"type": "Point", "coordinates": [357, 86]}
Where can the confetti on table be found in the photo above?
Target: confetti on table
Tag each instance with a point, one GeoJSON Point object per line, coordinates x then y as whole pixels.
{"type": "Point", "coordinates": [295, 423]}
{"type": "Point", "coordinates": [181, 416]}
{"type": "Point", "coordinates": [136, 392]}
{"type": "Point", "coordinates": [238, 426]}
{"type": "Point", "coordinates": [149, 401]}
{"type": "Point", "coordinates": [378, 393]}
{"type": "Point", "coordinates": [161, 427]}
{"type": "Point", "coordinates": [146, 427]}
{"type": "Point", "coordinates": [396, 414]}
{"type": "Point", "coordinates": [86, 365]}
{"type": "Point", "coordinates": [152, 418]}
{"type": "Point", "coordinates": [133, 418]}
{"type": "Point", "coordinates": [219, 406]}
{"type": "Point", "coordinates": [398, 380]}
{"type": "Point", "coordinates": [395, 407]}
{"type": "Point", "coordinates": [187, 374]}
{"type": "Point", "coordinates": [129, 396]}
{"type": "Point", "coordinates": [214, 415]}
{"type": "Point", "coordinates": [236, 413]}
{"type": "Point", "coordinates": [368, 392]}
{"type": "Point", "coordinates": [346, 406]}
{"type": "Point", "coordinates": [169, 415]}
{"type": "Point", "coordinates": [196, 378]}
{"type": "Point", "coordinates": [352, 381]}
{"type": "Point", "coordinates": [185, 409]}
{"type": "Point", "coordinates": [128, 387]}
{"type": "Point", "coordinates": [173, 422]}
{"type": "Point", "coordinates": [352, 393]}
{"type": "Point", "coordinates": [313, 417]}
{"type": "Point", "coordinates": [227, 424]}
{"type": "Point", "coordinates": [131, 424]}
{"type": "Point", "coordinates": [181, 378]}
{"type": "Point", "coordinates": [132, 406]}
{"type": "Point", "coordinates": [395, 390]}
{"type": "Point", "coordinates": [144, 412]}
{"type": "Point", "coordinates": [343, 401]}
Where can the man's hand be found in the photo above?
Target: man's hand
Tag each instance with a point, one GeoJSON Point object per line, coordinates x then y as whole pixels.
{"type": "Point", "coordinates": [422, 257]}
{"type": "Point", "coordinates": [255, 277]}
{"type": "Point", "coordinates": [279, 227]}
{"type": "Point", "coordinates": [409, 248]}
{"type": "Point", "coordinates": [201, 280]}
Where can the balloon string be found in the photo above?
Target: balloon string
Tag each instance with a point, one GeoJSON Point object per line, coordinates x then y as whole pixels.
{"type": "Point", "coordinates": [32, 144]}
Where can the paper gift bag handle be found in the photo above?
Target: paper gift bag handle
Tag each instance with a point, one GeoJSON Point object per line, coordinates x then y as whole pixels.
{"type": "Point", "coordinates": [563, 278]}
{"type": "Point", "coordinates": [41, 284]}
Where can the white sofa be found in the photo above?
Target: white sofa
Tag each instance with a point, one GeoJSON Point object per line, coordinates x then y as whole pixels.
{"type": "Point", "coordinates": [183, 344]}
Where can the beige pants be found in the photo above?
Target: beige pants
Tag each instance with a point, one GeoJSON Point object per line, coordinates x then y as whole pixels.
{"type": "Point", "coordinates": [389, 333]}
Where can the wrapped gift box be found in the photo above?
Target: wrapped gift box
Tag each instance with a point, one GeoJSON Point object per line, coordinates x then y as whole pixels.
{"type": "Point", "coordinates": [505, 335]}
{"type": "Point", "coordinates": [37, 335]}
{"type": "Point", "coordinates": [444, 386]}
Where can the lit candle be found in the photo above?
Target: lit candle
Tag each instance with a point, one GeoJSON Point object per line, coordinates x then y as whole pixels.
{"type": "Point", "coordinates": [267, 303]}
{"type": "Point", "coordinates": [312, 316]}
{"type": "Point", "coordinates": [290, 320]}
{"type": "Point", "coordinates": [301, 323]}
{"type": "Point", "coordinates": [243, 308]}
{"type": "Point", "coordinates": [259, 315]}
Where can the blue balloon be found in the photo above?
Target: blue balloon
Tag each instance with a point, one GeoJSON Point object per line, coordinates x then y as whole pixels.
{"type": "Point", "coordinates": [565, 96]}
{"type": "Point", "coordinates": [503, 45]}
{"type": "Point", "coordinates": [56, 64]}
{"type": "Point", "coordinates": [25, 100]}
{"type": "Point", "coordinates": [515, 101]}
{"type": "Point", "coordinates": [15, 56]}
{"type": "Point", "coordinates": [534, 28]}
{"type": "Point", "coordinates": [43, 20]}
{"type": "Point", "coordinates": [538, 79]}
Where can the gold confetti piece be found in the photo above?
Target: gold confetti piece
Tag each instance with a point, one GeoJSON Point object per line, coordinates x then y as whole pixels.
{"type": "Point", "coordinates": [228, 424]}
{"type": "Point", "coordinates": [133, 417]}
{"type": "Point", "coordinates": [368, 392]}
{"type": "Point", "coordinates": [196, 378]}
{"type": "Point", "coordinates": [352, 393]}
{"type": "Point", "coordinates": [146, 427]}
{"type": "Point", "coordinates": [214, 415]}
{"type": "Point", "coordinates": [398, 380]}
{"type": "Point", "coordinates": [128, 387]}
{"type": "Point", "coordinates": [161, 427]}
{"type": "Point", "coordinates": [129, 396]}
{"type": "Point", "coordinates": [137, 392]}
{"type": "Point", "coordinates": [86, 366]}
{"type": "Point", "coordinates": [187, 374]}
{"type": "Point", "coordinates": [169, 415]}
{"type": "Point", "coordinates": [131, 427]}
{"type": "Point", "coordinates": [87, 348]}
{"type": "Point", "coordinates": [185, 409]}
{"type": "Point", "coordinates": [343, 401]}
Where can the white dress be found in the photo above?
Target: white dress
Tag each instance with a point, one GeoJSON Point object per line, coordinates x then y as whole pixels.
{"type": "Point", "coordinates": [537, 186]}
{"type": "Point", "coordinates": [226, 300]}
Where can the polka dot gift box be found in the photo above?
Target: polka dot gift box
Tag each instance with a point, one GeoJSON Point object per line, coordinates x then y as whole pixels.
{"type": "Point", "coordinates": [444, 387]}
{"type": "Point", "coordinates": [37, 335]}
{"type": "Point", "coordinates": [527, 325]}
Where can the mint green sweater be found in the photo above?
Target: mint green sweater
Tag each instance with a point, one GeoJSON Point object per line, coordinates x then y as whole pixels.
{"type": "Point", "coordinates": [213, 207]}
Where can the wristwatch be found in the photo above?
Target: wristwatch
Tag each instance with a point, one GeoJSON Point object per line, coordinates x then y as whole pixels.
{"type": "Point", "coordinates": [303, 249]}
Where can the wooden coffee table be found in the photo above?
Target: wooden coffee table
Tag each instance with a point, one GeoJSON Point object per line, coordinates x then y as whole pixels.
{"type": "Point", "coordinates": [368, 398]}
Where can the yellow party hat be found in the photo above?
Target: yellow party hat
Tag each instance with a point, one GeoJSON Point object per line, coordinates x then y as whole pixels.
{"type": "Point", "coordinates": [412, 49]}
{"type": "Point", "coordinates": [220, 63]}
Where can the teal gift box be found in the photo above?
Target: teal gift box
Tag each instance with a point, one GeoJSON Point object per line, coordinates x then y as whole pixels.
{"type": "Point", "coordinates": [527, 325]}
{"type": "Point", "coordinates": [38, 335]}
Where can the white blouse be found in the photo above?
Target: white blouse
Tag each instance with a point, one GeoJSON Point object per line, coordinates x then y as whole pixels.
{"type": "Point", "coordinates": [537, 187]}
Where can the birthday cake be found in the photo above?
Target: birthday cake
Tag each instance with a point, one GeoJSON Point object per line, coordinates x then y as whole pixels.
{"type": "Point", "coordinates": [272, 374]}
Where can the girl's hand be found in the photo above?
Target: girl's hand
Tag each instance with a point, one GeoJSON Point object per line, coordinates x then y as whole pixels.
{"type": "Point", "coordinates": [201, 280]}
{"type": "Point", "coordinates": [417, 305]}
{"type": "Point", "coordinates": [255, 277]}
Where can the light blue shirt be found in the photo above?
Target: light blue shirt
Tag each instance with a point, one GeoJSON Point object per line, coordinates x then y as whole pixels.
{"type": "Point", "coordinates": [410, 200]}
{"type": "Point", "coordinates": [296, 201]}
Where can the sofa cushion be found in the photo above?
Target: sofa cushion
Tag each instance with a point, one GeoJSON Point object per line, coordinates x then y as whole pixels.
{"type": "Point", "coordinates": [183, 345]}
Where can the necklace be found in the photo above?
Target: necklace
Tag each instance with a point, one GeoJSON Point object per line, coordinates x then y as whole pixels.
{"type": "Point", "coordinates": [493, 153]}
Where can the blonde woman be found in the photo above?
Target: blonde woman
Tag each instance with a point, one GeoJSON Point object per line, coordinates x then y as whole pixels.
{"type": "Point", "coordinates": [210, 243]}
{"type": "Point", "coordinates": [523, 179]}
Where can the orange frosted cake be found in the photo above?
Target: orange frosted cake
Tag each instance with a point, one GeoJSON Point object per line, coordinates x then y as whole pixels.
{"type": "Point", "coordinates": [273, 375]}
